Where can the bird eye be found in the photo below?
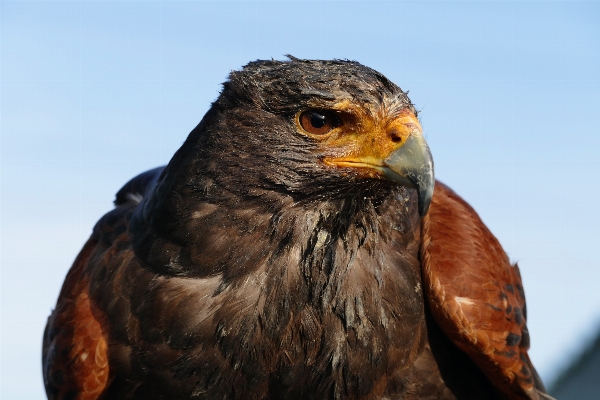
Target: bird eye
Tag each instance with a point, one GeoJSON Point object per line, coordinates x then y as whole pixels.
{"type": "Point", "coordinates": [319, 122]}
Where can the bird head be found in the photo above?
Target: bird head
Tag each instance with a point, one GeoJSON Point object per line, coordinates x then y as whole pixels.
{"type": "Point", "coordinates": [284, 136]}
{"type": "Point", "coordinates": [305, 125]}
{"type": "Point", "coordinates": [302, 130]}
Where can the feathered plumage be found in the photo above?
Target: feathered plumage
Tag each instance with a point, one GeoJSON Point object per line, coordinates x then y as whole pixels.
{"type": "Point", "coordinates": [294, 247]}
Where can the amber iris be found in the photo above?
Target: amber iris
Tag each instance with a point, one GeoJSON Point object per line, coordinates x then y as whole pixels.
{"type": "Point", "coordinates": [319, 122]}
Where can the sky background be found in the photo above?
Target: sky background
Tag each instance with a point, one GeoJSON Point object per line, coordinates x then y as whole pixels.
{"type": "Point", "coordinates": [93, 93]}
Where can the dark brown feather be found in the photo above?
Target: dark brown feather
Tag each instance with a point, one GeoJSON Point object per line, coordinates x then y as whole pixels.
{"type": "Point", "coordinates": [248, 269]}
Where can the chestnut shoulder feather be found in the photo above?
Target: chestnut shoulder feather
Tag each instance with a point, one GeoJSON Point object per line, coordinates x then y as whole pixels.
{"type": "Point", "coordinates": [476, 295]}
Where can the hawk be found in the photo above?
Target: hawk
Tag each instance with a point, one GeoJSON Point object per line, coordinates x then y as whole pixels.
{"type": "Point", "coordinates": [296, 246]}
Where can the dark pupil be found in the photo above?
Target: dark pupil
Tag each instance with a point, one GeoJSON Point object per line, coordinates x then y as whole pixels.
{"type": "Point", "coordinates": [317, 120]}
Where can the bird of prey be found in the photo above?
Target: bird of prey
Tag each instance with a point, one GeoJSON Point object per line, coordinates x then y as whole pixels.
{"type": "Point", "coordinates": [296, 246]}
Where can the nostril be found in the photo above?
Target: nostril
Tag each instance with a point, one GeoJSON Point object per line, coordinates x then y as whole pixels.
{"type": "Point", "coordinates": [395, 136]}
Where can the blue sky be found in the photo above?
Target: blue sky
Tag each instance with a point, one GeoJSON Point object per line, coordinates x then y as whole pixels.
{"type": "Point", "coordinates": [93, 93]}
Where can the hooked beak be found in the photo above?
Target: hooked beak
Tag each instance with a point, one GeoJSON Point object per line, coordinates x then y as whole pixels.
{"type": "Point", "coordinates": [412, 165]}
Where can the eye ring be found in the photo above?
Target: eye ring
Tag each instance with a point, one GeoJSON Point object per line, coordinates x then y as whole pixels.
{"type": "Point", "coordinates": [319, 122]}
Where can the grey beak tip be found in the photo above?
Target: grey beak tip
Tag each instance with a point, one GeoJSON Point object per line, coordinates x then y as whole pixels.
{"type": "Point", "coordinates": [425, 201]}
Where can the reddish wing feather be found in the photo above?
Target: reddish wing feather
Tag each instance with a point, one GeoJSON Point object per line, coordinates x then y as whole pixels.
{"type": "Point", "coordinates": [475, 295]}
{"type": "Point", "coordinates": [75, 362]}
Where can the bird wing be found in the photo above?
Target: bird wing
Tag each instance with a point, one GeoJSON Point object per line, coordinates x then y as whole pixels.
{"type": "Point", "coordinates": [74, 357]}
{"type": "Point", "coordinates": [75, 354]}
{"type": "Point", "coordinates": [476, 295]}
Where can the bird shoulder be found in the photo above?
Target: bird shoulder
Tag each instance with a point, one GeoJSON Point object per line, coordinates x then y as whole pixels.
{"type": "Point", "coordinates": [475, 294]}
{"type": "Point", "coordinates": [75, 359]}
